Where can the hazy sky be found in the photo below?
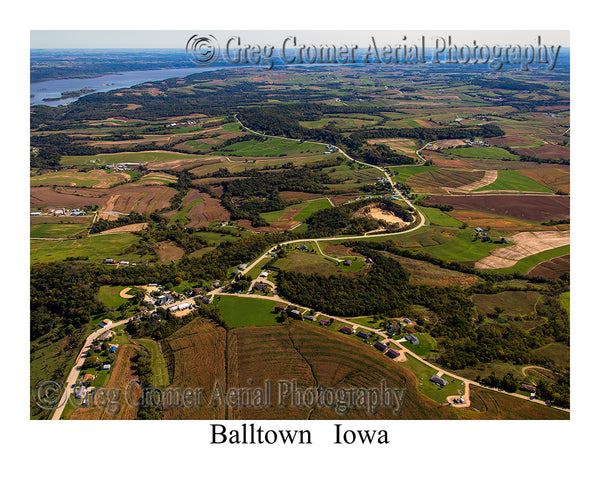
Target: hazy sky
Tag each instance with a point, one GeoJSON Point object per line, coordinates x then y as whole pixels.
{"type": "Point", "coordinates": [178, 38]}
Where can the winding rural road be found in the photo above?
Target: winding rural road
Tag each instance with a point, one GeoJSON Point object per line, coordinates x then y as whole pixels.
{"type": "Point", "coordinates": [74, 373]}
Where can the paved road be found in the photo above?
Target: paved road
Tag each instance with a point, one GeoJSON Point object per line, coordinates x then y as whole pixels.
{"type": "Point", "coordinates": [74, 373]}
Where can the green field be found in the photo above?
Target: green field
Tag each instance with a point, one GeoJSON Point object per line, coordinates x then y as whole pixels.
{"type": "Point", "coordinates": [134, 157]}
{"type": "Point", "coordinates": [453, 245]}
{"type": "Point", "coordinates": [401, 174]}
{"type": "Point", "coordinates": [97, 248]}
{"type": "Point", "coordinates": [217, 238]}
{"type": "Point", "coordinates": [437, 217]}
{"type": "Point", "coordinates": [272, 147]}
{"type": "Point", "coordinates": [308, 209]}
{"type": "Point", "coordinates": [513, 180]}
{"type": "Point", "coordinates": [56, 230]}
{"type": "Point", "coordinates": [78, 180]}
{"type": "Point", "coordinates": [425, 346]}
{"type": "Point", "coordinates": [109, 296]}
{"type": "Point", "coordinates": [513, 303]}
{"type": "Point", "coordinates": [430, 389]}
{"type": "Point", "coordinates": [565, 299]}
{"type": "Point", "coordinates": [160, 373]}
{"type": "Point", "coordinates": [245, 312]}
{"type": "Point", "coordinates": [308, 262]}
{"type": "Point", "coordinates": [481, 152]}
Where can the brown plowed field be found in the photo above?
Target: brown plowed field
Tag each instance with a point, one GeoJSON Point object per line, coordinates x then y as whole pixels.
{"type": "Point", "coordinates": [206, 212]}
{"type": "Point", "coordinates": [247, 224]}
{"type": "Point", "coordinates": [142, 199]}
{"type": "Point", "coordinates": [533, 208]}
{"type": "Point", "coordinates": [555, 152]}
{"type": "Point", "coordinates": [124, 198]}
{"type": "Point", "coordinates": [49, 197]}
{"type": "Point", "coordinates": [552, 269]}
{"type": "Point", "coordinates": [444, 162]}
{"type": "Point", "coordinates": [168, 251]}
{"type": "Point", "coordinates": [482, 219]}
{"type": "Point", "coordinates": [120, 377]}
{"type": "Point", "coordinates": [182, 163]}
{"type": "Point", "coordinates": [554, 178]}
{"type": "Point", "coordinates": [195, 359]}
{"type": "Point", "coordinates": [340, 199]}
{"type": "Point", "coordinates": [512, 141]}
{"type": "Point", "coordinates": [293, 197]}
{"type": "Point", "coordinates": [436, 181]}
{"type": "Point", "coordinates": [312, 355]}
{"type": "Point", "coordinates": [402, 145]}
{"type": "Point", "coordinates": [134, 227]}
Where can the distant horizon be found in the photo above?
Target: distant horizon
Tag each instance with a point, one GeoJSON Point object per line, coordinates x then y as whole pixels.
{"type": "Point", "coordinates": [169, 39]}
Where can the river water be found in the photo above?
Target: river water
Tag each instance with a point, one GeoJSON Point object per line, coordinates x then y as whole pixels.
{"type": "Point", "coordinates": [54, 88]}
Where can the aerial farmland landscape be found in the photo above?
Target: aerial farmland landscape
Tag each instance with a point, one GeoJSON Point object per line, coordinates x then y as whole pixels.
{"type": "Point", "coordinates": [239, 230]}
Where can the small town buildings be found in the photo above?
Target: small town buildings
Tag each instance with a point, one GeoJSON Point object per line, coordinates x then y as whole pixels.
{"type": "Point", "coordinates": [295, 313]}
{"type": "Point", "coordinates": [347, 330]}
{"type": "Point", "coordinates": [302, 247]}
{"type": "Point", "coordinates": [280, 308]}
{"type": "Point", "coordinates": [412, 339]}
{"type": "Point", "coordinates": [347, 262]}
{"type": "Point", "coordinates": [80, 392]}
{"type": "Point", "coordinates": [325, 322]}
{"type": "Point", "coordinates": [109, 261]}
{"type": "Point", "coordinates": [106, 336]}
{"type": "Point", "coordinates": [382, 347]}
{"type": "Point", "coordinates": [528, 388]}
{"type": "Point", "coordinates": [438, 381]}
{"type": "Point", "coordinates": [106, 366]}
{"type": "Point", "coordinates": [163, 300]}
{"type": "Point", "coordinates": [88, 378]}
{"type": "Point", "coordinates": [392, 353]}
{"type": "Point", "coordinates": [364, 335]}
{"type": "Point", "coordinates": [264, 274]}
{"type": "Point", "coordinates": [261, 287]}
{"type": "Point", "coordinates": [310, 318]}
{"type": "Point", "coordinates": [105, 323]}
{"type": "Point", "coordinates": [112, 349]}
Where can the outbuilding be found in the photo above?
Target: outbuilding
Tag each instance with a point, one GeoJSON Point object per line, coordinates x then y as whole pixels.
{"type": "Point", "coordinates": [392, 353]}
{"type": "Point", "coordinates": [438, 381]}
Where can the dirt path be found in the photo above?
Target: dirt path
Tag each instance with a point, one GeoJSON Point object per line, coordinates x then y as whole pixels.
{"type": "Point", "coordinates": [123, 293]}
{"type": "Point", "coordinates": [74, 373]}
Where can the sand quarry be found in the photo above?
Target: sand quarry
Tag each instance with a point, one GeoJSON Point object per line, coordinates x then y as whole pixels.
{"type": "Point", "coordinates": [380, 214]}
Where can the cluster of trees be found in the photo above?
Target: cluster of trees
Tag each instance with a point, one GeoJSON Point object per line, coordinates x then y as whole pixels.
{"type": "Point", "coordinates": [62, 294]}
{"type": "Point", "coordinates": [284, 120]}
{"type": "Point", "coordinates": [343, 219]}
{"type": "Point", "coordinates": [246, 198]}
{"type": "Point", "coordinates": [101, 225]}
{"type": "Point", "coordinates": [439, 206]}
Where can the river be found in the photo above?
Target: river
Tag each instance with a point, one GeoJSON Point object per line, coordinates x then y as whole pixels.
{"type": "Point", "coordinates": [54, 88]}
